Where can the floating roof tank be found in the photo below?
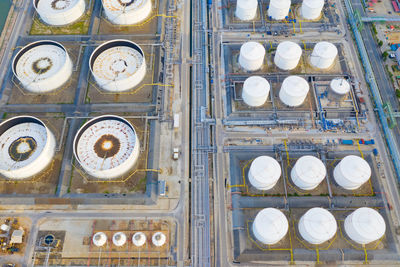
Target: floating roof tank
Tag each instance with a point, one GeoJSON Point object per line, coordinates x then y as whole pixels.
{"type": "Point", "coordinates": [278, 9]}
{"type": "Point", "coordinates": [311, 9]}
{"type": "Point", "coordinates": [126, 12]}
{"type": "Point", "coordinates": [59, 12]}
{"type": "Point", "coordinates": [42, 66]}
{"type": "Point", "coordinates": [99, 239]}
{"type": "Point", "coordinates": [138, 239]}
{"type": "Point", "coordinates": [287, 55]}
{"type": "Point", "coordinates": [293, 91]}
{"type": "Point", "coordinates": [340, 86]}
{"type": "Point", "coordinates": [308, 172]}
{"type": "Point", "coordinates": [352, 172]}
{"type": "Point", "coordinates": [106, 147]}
{"type": "Point", "coordinates": [264, 172]}
{"type": "Point", "coordinates": [246, 9]}
{"type": "Point", "coordinates": [317, 226]}
{"type": "Point", "coordinates": [118, 65]}
{"type": "Point", "coordinates": [270, 226]}
{"type": "Point", "coordinates": [251, 56]}
{"type": "Point", "coordinates": [119, 239]}
{"type": "Point", "coordinates": [27, 147]}
{"type": "Point", "coordinates": [158, 239]}
{"type": "Point", "coordinates": [255, 91]}
{"type": "Point", "coordinates": [323, 55]}
{"type": "Point", "coordinates": [365, 225]}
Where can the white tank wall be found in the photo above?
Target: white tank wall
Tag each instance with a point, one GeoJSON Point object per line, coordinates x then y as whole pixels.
{"type": "Point", "coordinates": [279, 9]}
{"type": "Point", "coordinates": [352, 172]}
{"type": "Point", "coordinates": [287, 55]}
{"type": "Point", "coordinates": [158, 239]}
{"type": "Point", "coordinates": [323, 55]}
{"type": "Point", "coordinates": [255, 91]}
{"type": "Point", "coordinates": [251, 56]}
{"type": "Point", "coordinates": [59, 16]}
{"type": "Point", "coordinates": [317, 226]}
{"type": "Point", "coordinates": [365, 225]}
{"type": "Point", "coordinates": [339, 86]}
{"type": "Point", "coordinates": [119, 239]}
{"type": "Point", "coordinates": [264, 172]}
{"type": "Point", "coordinates": [133, 14]}
{"type": "Point", "coordinates": [294, 91]}
{"type": "Point", "coordinates": [246, 9]}
{"type": "Point", "coordinates": [270, 226]}
{"type": "Point", "coordinates": [139, 239]}
{"type": "Point", "coordinates": [308, 172]}
{"type": "Point", "coordinates": [99, 239]}
{"type": "Point", "coordinates": [311, 9]}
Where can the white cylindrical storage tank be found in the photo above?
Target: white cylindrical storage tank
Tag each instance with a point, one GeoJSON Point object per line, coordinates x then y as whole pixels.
{"type": "Point", "coordinates": [352, 172]}
{"type": "Point", "coordinates": [251, 56]}
{"type": "Point", "coordinates": [59, 12]}
{"type": "Point", "coordinates": [270, 226]}
{"type": "Point", "coordinates": [138, 239]}
{"type": "Point", "coordinates": [364, 225]}
{"type": "Point", "coordinates": [119, 239]}
{"type": "Point", "coordinates": [308, 172]}
{"type": "Point", "coordinates": [287, 55]}
{"type": "Point", "coordinates": [158, 239]}
{"type": "Point", "coordinates": [317, 226]}
{"type": "Point", "coordinates": [5, 227]}
{"type": "Point", "coordinates": [323, 55]}
{"type": "Point", "coordinates": [106, 147]}
{"type": "Point", "coordinates": [99, 239]}
{"type": "Point", "coordinates": [42, 66]}
{"type": "Point", "coordinates": [126, 12]}
{"type": "Point", "coordinates": [311, 9]}
{"type": "Point", "coordinates": [27, 147]}
{"type": "Point", "coordinates": [255, 91]}
{"type": "Point", "coordinates": [264, 172]}
{"type": "Point", "coordinates": [118, 65]}
{"type": "Point", "coordinates": [293, 91]}
{"type": "Point", "coordinates": [246, 9]}
{"type": "Point", "coordinates": [278, 9]}
{"type": "Point", "coordinates": [339, 87]}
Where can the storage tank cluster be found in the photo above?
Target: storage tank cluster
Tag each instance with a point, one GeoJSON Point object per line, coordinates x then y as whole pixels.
{"type": "Point", "coordinates": [339, 87]}
{"type": "Point", "coordinates": [278, 9]}
{"type": "Point", "coordinates": [59, 12]}
{"type": "Point", "coordinates": [264, 172]}
{"type": "Point", "coordinates": [311, 9]}
{"type": "Point", "coordinates": [293, 91]}
{"type": "Point", "coordinates": [287, 55]}
{"type": "Point", "coordinates": [323, 55]}
{"type": "Point", "coordinates": [119, 239]}
{"type": "Point", "coordinates": [318, 225]}
{"type": "Point", "coordinates": [251, 56]}
{"type": "Point", "coordinates": [246, 9]}
{"type": "Point", "coordinates": [127, 12]}
{"type": "Point", "coordinates": [255, 91]}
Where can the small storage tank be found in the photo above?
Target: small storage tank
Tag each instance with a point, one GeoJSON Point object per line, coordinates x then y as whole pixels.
{"type": "Point", "coordinates": [42, 66]}
{"type": "Point", "coordinates": [311, 9]}
{"type": "Point", "coordinates": [339, 87]}
{"type": "Point", "coordinates": [59, 12]}
{"type": "Point", "coordinates": [287, 55]}
{"type": "Point", "coordinates": [270, 226]}
{"type": "Point", "coordinates": [246, 9]}
{"type": "Point", "coordinates": [251, 56]}
{"type": "Point", "coordinates": [294, 91]}
{"type": "Point", "coordinates": [158, 239]}
{"type": "Point", "coordinates": [264, 172]}
{"type": "Point", "coordinates": [27, 147]}
{"type": "Point", "coordinates": [352, 172]}
{"type": "Point", "coordinates": [126, 12]}
{"type": "Point", "coordinates": [317, 226]}
{"type": "Point", "coordinates": [323, 55]}
{"type": "Point", "coordinates": [139, 239]}
{"type": "Point", "coordinates": [308, 172]}
{"type": "Point", "coordinates": [119, 239]}
{"type": "Point", "coordinates": [5, 227]}
{"type": "Point", "coordinates": [365, 225]}
{"type": "Point", "coordinates": [255, 91]}
{"type": "Point", "coordinates": [118, 65]}
{"type": "Point", "coordinates": [106, 147]}
{"type": "Point", "coordinates": [99, 239]}
{"type": "Point", "coordinates": [278, 9]}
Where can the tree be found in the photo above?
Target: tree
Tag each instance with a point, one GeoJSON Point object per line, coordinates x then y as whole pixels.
{"type": "Point", "coordinates": [398, 93]}
{"type": "Point", "coordinates": [380, 43]}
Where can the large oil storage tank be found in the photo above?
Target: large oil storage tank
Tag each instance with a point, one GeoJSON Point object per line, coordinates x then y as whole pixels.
{"type": "Point", "coordinates": [270, 226]}
{"type": "Point", "coordinates": [126, 12]}
{"type": "Point", "coordinates": [119, 239]}
{"type": "Point", "coordinates": [308, 172]}
{"type": "Point", "coordinates": [311, 9]}
{"type": "Point", "coordinates": [264, 172]}
{"type": "Point", "coordinates": [278, 9]}
{"type": "Point", "coordinates": [293, 91]}
{"type": "Point", "coordinates": [323, 55]}
{"type": "Point", "coordinates": [139, 239]}
{"type": "Point", "coordinates": [365, 225]}
{"type": "Point", "coordinates": [59, 12]}
{"type": "Point", "coordinates": [99, 239]}
{"type": "Point", "coordinates": [158, 239]}
{"type": "Point", "coordinates": [255, 91]}
{"type": "Point", "coordinates": [251, 56]}
{"type": "Point", "coordinates": [352, 172]}
{"type": "Point", "coordinates": [246, 9]}
{"type": "Point", "coordinates": [118, 65]}
{"type": "Point", "coordinates": [317, 226]}
{"type": "Point", "coordinates": [106, 147]}
{"type": "Point", "coordinates": [287, 55]}
{"type": "Point", "coordinates": [27, 147]}
{"type": "Point", "coordinates": [42, 66]}
{"type": "Point", "coordinates": [339, 87]}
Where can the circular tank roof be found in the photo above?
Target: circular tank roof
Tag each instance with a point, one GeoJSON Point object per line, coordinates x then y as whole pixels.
{"type": "Point", "coordinates": [325, 50]}
{"type": "Point", "coordinates": [355, 168]}
{"type": "Point", "coordinates": [289, 50]}
{"type": "Point", "coordinates": [317, 226]}
{"type": "Point", "coordinates": [55, 6]}
{"type": "Point", "coordinates": [99, 239]}
{"type": "Point", "coordinates": [340, 86]}
{"type": "Point", "coordinates": [310, 169]}
{"type": "Point", "coordinates": [158, 239]}
{"type": "Point", "coordinates": [295, 86]}
{"type": "Point", "coordinates": [247, 4]}
{"type": "Point", "coordinates": [256, 86]}
{"type": "Point", "coordinates": [138, 239]}
{"type": "Point", "coordinates": [252, 50]}
{"type": "Point", "coordinates": [119, 239]}
{"type": "Point", "coordinates": [313, 3]}
{"type": "Point", "coordinates": [265, 170]}
{"type": "Point", "coordinates": [123, 6]}
{"type": "Point", "coordinates": [281, 4]}
{"type": "Point", "coordinates": [270, 226]}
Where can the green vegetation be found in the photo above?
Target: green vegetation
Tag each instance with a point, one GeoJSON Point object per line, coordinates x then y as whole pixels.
{"type": "Point", "coordinates": [385, 55]}
{"type": "Point", "coordinates": [4, 115]}
{"type": "Point", "coordinates": [398, 93]}
{"type": "Point", "coordinates": [380, 43]}
{"type": "Point", "coordinates": [374, 29]}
